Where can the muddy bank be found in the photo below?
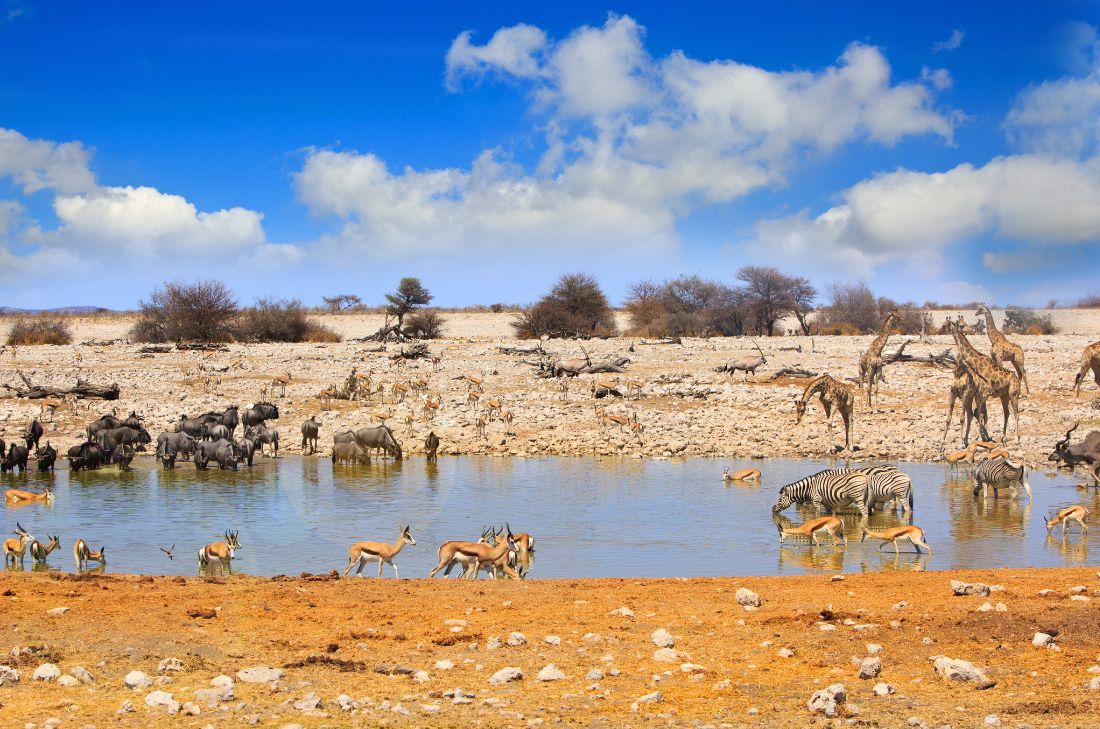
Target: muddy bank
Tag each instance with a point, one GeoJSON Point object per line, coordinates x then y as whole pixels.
{"type": "Point", "coordinates": [362, 652]}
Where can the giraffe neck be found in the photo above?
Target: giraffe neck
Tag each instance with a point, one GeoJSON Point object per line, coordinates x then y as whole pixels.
{"type": "Point", "coordinates": [990, 326]}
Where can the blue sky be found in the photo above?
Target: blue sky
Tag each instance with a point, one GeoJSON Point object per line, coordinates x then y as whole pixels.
{"type": "Point", "coordinates": [937, 150]}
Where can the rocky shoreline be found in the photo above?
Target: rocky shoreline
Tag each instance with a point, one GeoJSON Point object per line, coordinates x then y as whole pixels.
{"type": "Point", "coordinates": [1010, 647]}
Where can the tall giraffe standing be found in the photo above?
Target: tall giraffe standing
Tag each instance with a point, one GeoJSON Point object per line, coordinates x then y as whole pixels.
{"type": "Point", "coordinates": [1002, 349]}
{"type": "Point", "coordinates": [1090, 359]}
{"type": "Point", "coordinates": [870, 362]}
{"type": "Point", "coordinates": [833, 394]}
{"type": "Point", "coordinates": [990, 379]}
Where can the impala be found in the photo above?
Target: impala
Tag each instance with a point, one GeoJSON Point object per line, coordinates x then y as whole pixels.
{"type": "Point", "coordinates": [40, 551]}
{"type": "Point", "coordinates": [18, 495]}
{"type": "Point", "coordinates": [829, 524]}
{"type": "Point", "coordinates": [363, 552]}
{"type": "Point", "coordinates": [745, 474]}
{"type": "Point", "coordinates": [17, 548]}
{"type": "Point", "coordinates": [220, 553]}
{"type": "Point", "coordinates": [82, 554]}
{"type": "Point", "coordinates": [1075, 513]}
{"type": "Point", "coordinates": [913, 533]}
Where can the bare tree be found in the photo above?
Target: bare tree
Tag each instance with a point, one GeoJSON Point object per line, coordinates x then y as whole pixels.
{"type": "Point", "coordinates": [771, 295]}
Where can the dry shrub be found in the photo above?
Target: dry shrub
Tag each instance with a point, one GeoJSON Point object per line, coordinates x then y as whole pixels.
{"type": "Point", "coordinates": [199, 312]}
{"type": "Point", "coordinates": [424, 324]}
{"type": "Point", "coordinates": [41, 329]}
{"type": "Point", "coordinates": [1092, 301]}
{"type": "Point", "coordinates": [840, 329]}
{"type": "Point", "coordinates": [575, 307]}
{"type": "Point", "coordinates": [1025, 321]}
{"type": "Point", "coordinates": [281, 320]}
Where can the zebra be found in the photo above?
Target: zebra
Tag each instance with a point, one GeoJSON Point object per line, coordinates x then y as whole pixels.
{"type": "Point", "coordinates": [886, 483]}
{"type": "Point", "coordinates": [1000, 472]}
{"type": "Point", "coordinates": [826, 490]}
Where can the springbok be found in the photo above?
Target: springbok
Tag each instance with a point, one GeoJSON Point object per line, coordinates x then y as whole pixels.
{"type": "Point", "coordinates": [363, 552]}
{"type": "Point", "coordinates": [16, 548]}
{"type": "Point", "coordinates": [50, 405]}
{"type": "Point", "coordinates": [82, 554]}
{"type": "Point", "coordinates": [1075, 513]}
{"type": "Point", "coordinates": [604, 419]}
{"type": "Point", "coordinates": [913, 533]}
{"type": "Point", "coordinates": [966, 454]}
{"type": "Point", "coordinates": [40, 551]}
{"type": "Point", "coordinates": [326, 395]}
{"type": "Point", "coordinates": [493, 405]}
{"type": "Point", "coordinates": [477, 555]}
{"type": "Point", "coordinates": [745, 474]}
{"type": "Point", "coordinates": [563, 388]}
{"type": "Point", "coordinates": [280, 381]}
{"type": "Point", "coordinates": [473, 397]}
{"type": "Point", "coordinates": [399, 390]}
{"type": "Point", "coordinates": [431, 406]}
{"type": "Point", "coordinates": [449, 554]}
{"type": "Point", "coordinates": [220, 553]}
{"type": "Point", "coordinates": [18, 495]}
{"type": "Point", "coordinates": [481, 425]}
{"type": "Point", "coordinates": [636, 428]}
{"type": "Point", "coordinates": [634, 388]}
{"type": "Point", "coordinates": [829, 524]}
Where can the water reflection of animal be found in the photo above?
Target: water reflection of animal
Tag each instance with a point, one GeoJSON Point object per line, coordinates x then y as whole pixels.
{"type": "Point", "coordinates": [363, 552]}
{"type": "Point", "coordinates": [1075, 513]}
{"type": "Point", "coordinates": [813, 559]}
{"type": "Point", "coordinates": [914, 534]}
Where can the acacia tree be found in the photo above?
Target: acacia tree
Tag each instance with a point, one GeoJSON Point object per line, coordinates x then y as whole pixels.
{"type": "Point", "coordinates": [342, 302]}
{"type": "Point", "coordinates": [409, 297]}
{"type": "Point", "coordinates": [575, 307]}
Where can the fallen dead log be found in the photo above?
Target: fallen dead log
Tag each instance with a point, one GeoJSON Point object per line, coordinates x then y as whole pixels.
{"type": "Point", "coordinates": [156, 349]}
{"type": "Point", "coordinates": [615, 365]}
{"type": "Point", "coordinates": [791, 372]}
{"type": "Point", "coordinates": [943, 359]}
{"type": "Point", "coordinates": [201, 347]}
{"type": "Point", "coordinates": [519, 351]}
{"type": "Point", "coordinates": [83, 390]}
{"type": "Point", "coordinates": [665, 340]}
{"type": "Point", "coordinates": [416, 351]}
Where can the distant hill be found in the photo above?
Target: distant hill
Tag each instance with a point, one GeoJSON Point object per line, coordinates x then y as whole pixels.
{"type": "Point", "coordinates": [12, 311]}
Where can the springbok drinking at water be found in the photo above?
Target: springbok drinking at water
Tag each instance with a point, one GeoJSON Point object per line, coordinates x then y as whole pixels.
{"type": "Point", "coordinates": [363, 552]}
{"type": "Point", "coordinates": [479, 554]}
{"type": "Point", "coordinates": [82, 554]}
{"type": "Point", "coordinates": [1075, 513]}
{"type": "Point", "coordinates": [19, 495]}
{"type": "Point", "coordinates": [913, 533]}
{"type": "Point", "coordinates": [745, 474]}
{"type": "Point", "coordinates": [219, 553]}
{"type": "Point", "coordinates": [829, 524]}
{"type": "Point", "coordinates": [40, 551]}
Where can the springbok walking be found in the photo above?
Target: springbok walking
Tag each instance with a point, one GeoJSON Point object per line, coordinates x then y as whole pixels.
{"type": "Point", "coordinates": [914, 534]}
{"type": "Point", "coordinates": [363, 552]}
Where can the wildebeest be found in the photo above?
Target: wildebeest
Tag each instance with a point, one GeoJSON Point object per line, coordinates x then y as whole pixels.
{"type": "Point", "coordinates": [262, 435]}
{"type": "Point", "coordinates": [431, 446]}
{"type": "Point", "coordinates": [311, 429]}
{"type": "Point", "coordinates": [191, 426]}
{"type": "Point", "coordinates": [349, 453]}
{"type": "Point", "coordinates": [380, 437]}
{"type": "Point", "coordinates": [16, 458]}
{"type": "Point", "coordinates": [1086, 452]}
{"type": "Point", "coordinates": [229, 418]}
{"type": "Point", "coordinates": [172, 445]}
{"type": "Point", "coordinates": [123, 456]}
{"type": "Point", "coordinates": [133, 420]}
{"type": "Point", "coordinates": [222, 451]}
{"type": "Point", "coordinates": [246, 449]}
{"type": "Point", "coordinates": [115, 437]}
{"type": "Point", "coordinates": [215, 431]}
{"type": "Point", "coordinates": [34, 435]}
{"type": "Point", "coordinates": [3, 449]}
{"type": "Point", "coordinates": [258, 413]}
{"type": "Point", "coordinates": [86, 456]}
{"type": "Point", "coordinates": [46, 457]}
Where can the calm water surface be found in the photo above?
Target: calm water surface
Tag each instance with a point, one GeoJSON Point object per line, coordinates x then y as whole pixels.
{"type": "Point", "coordinates": [590, 517]}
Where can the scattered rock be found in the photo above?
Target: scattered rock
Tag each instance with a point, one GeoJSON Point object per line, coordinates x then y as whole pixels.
{"type": "Point", "coordinates": [551, 673]}
{"type": "Point", "coordinates": [8, 675]}
{"type": "Point", "coordinates": [68, 681]}
{"type": "Point", "coordinates": [517, 639]}
{"type": "Point", "coordinates": [594, 675]}
{"type": "Point", "coordinates": [126, 708]}
{"type": "Point", "coordinates": [259, 674]}
{"type": "Point", "coordinates": [693, 668]}
{"type": "Point", "coordinates": [953, 669]}
{"type": "Point", "coordinates": [1042, 640]}
{"type": "Point", "coordinates": [506, 675]}
{"type": "Point", "coordinates": [170, 664]}
{"type": "Point", "coordinates": [836, 578]}
{"type": "Point", "coordinates": [786, 653]}
{"type": "Point", "coordinates": [870, 667]}
{"type": "Point", "coordinates": [662, 638]}
{"type": "Point", "coordinates": [57, 611]}
{"type": "Point", "coordinates": [493, 643]}
{"type": "Point", "coordinates": [422, 677]}
{"type": "Point", "coordinates": [46, 672]}
{"type": "Point", "coordinates": [162, 699]}
{"type": "Point", "coordinates": [667, 655]}
{"type": "Point", "coordinates": [624, 611]}
{"type": "Point", "coordinates": [969, 588]}
{"type": "Point", "coordinates": [883, 689]}
{"type": "Point", "coordinates": [189, 709]}
{"type": "Point", "coordinates": [746, 597]}
{"type": "Point", "coordinates": [901, 605]}
{"type": "Point", "coordinates": [444, 665]}
{"type": "Point", "coordinates": [82, 675]}
{"type": "Point", "coordinates": [828, 700]}
{"type": "Point", "coordinates": [992, 720]}
{"type": "Point", "coordinates": [308, 702]}
{"type": "Point", "coordinates": [873, 649]}
{"type": "Point", "coordinates": [346, 703]}
{"type": "Point", "coordinates": [653, 698]}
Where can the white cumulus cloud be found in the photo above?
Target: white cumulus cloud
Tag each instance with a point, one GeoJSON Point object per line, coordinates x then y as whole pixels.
{"type": "Point", "coordinates": [953, 41]}
{"type": "Point", "coordinates": [513, 50]}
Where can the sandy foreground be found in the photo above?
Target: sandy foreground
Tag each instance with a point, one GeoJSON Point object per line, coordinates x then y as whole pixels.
{"type": "Point", "coordinates": [335, 643]}
{"type": "Point", "coordinates": [686, 408]}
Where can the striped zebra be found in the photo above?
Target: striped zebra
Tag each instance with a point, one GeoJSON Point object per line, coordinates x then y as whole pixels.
{"type": "Point", "coordinates": [1000, 473]}
{"type": "Point", "coordinates": [886, 483]}
{"type": "Point", "coordinates": [827, 491]}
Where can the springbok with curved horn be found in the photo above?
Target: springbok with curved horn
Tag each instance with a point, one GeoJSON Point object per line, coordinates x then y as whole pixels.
{"type": "Point", "coordinates": [449, 554]}
{"type": "Point", "coordinates": [363, 552]}
{"type": "Point", "coordinates": [18, 495]}
{"type": "Point", "coordinates": [831, 525]}
{"type": "Point", "coordinates": [40, 551]}
{"type": "Point", "coordinates": [17, 548]}
{"type": "Point", "coordinates": [82, 554]}
{"type": "Point", "coordinates": [219, 553]}
{"type": "Point", "coordinates": [913, 533]}
{"type": "Point", "coordinates": [1075, 513]}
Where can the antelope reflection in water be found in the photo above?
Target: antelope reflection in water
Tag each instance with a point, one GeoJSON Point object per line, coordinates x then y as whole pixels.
{"type": "Point", "coordinates": [975, 518]}
{"type": "Point", "coordinates": [1073, 548]}
{"type": "Point", "coordinates": [907, 561]}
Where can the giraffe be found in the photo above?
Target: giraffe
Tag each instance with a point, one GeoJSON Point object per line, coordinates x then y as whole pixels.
{"type": "Point", "coordinates": [990, 380]}
{"type": "Point", "coordinates": [1090, 358]}
{"type": "Point", "coordinates": [1003, 350]}
{"type": "Point", "coordinates": [973, 396]}
{"type": "Point", "coordinates": [870, 362]}
{"type": "Point", "coordinates": [833, 393]}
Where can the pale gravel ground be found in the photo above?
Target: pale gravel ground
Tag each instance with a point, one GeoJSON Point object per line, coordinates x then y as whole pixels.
{"type": "Point", "coordinates": [739, 419]}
